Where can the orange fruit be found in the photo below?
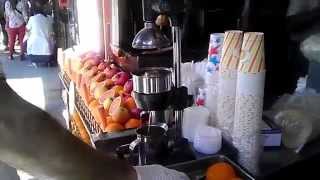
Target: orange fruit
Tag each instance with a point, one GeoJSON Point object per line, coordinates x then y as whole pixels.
{"type": "Point", "coordinates": [108, 83]}
{"type": "Point", "coordinates": [92, 72]}
{"type": "Point", "coordinates": [87, 65]}
{"type": "Point", "coordinates": [116, 104]}
{"type": "Point", "coordinates": [109, 120]}
{"type": "Point", "coordinates": [236, 178]}
{"type": "Point", "coordinates": [100, 115]}
{"type": "Point", "coordinates": [114, 127]}
{"type": "Point", "coordinates": [133, 123]}
{"type": "Point", "coordinates": [108, 94]}
{"type": "Point", "coordinates": [107, 103]}
{"type": "Point", "coordinates": [220, 171]}
{"type": "Point", "coordinates": [130, 103]}
{"type": "Point", "coordinates": [99, 91]}
{"type": "Point", "coordinates": [99, 77]}
{"type": "Point", "coordinates": [93, 85]}
{"type": "Point", "coordinates": [93, 104]}
{"type": "Point", "coordinates": [120, 115]}
{"type": "Point", "coordinates": [121, 92]}
{"type": "Point", "coordinates": [118, 89]}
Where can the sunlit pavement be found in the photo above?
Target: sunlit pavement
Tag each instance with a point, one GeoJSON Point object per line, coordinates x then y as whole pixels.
{"type": "Point", "coordinates": [39, 86]}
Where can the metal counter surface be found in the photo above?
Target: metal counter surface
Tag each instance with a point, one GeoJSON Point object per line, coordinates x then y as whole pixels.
{"type": "Point", "coordinates": [282, 162]}
{"type": "Point", "coordinates": [275, 163]}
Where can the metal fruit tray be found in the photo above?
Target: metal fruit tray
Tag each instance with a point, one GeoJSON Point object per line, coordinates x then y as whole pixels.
{"type": "Point", "coordinates": [196, 169]}
{"type": "Point", "coordinates": [86, 115]}
{"type": "Point", "coordinates": [65, 79]}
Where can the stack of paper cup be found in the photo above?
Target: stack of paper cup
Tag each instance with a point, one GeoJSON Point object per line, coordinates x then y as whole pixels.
{"type": "Point", "coordinates": [228, 81]}
{"type": "Point", "coordinates": [214, 57]}
{"type": "Point", "coordinates": [249, 100]}
{"type": "Point", "coordinates": [212, 73]}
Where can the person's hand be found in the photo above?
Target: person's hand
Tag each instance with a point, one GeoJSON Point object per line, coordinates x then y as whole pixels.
{"type": "Point", "coordinates": [158, 172]}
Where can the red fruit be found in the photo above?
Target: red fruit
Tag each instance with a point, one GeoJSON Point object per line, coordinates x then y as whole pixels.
{"type": "Point", "coordinates": [87, 65]}
{"type": "Point", "coordinates": [113, 66]}
{"type": "Point", "coordinates": [135, 113]}
{"type": "Point", "coordinates": [102, 66]}
{"type": "Point", "coordinates": [95, 61]}
{"type": "Point", "coordinates": [99, 77]}
{"type": "Point", "coordinates": [110, 72]}
{"type": "Point", "coordinates": [120, 78]}
{"type": "Point", "coordinates": [128, 86]}
{"type": "Point", "coordinates": [108, 83]}
{"type": "Point", "coordinates": [125, 96]}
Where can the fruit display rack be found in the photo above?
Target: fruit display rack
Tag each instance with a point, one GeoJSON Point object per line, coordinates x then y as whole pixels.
{"type": "Point", "coordinates": [86, 115]}
{"type": "Point", "coordinates": [92, 126]}
{"type": "Point", "coordinates": [74, 128]}
{"type": "Point", "coordinates": [65, 79]}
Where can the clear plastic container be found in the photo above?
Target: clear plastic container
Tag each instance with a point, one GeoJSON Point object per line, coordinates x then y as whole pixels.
{"type": "Point", "coordinates": [192, 118]}
{"type": "Point", "coordinates": [207, 140]}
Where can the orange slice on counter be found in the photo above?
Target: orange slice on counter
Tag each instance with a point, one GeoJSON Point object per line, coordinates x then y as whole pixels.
{"type": "Point", "coordinates": [221, 171]}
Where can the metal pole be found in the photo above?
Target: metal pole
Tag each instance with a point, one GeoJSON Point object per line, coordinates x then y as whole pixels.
{"type": "Point", "coordinates": [176, 36]}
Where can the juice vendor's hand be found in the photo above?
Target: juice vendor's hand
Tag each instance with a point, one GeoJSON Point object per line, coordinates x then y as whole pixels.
{"type": "Point", "coordinates": [32, 140]}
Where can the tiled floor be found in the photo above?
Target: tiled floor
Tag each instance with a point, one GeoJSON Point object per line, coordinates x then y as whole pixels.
{"type": "Point", "coordinates": [39, 86]}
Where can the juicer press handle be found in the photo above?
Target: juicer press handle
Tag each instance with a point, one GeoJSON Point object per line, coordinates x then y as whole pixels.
{"type": "Point", "coordinates": [134, 144]}
{"type": "Point", "coordinates": [127, 149]}
{"type": "Point", "coordinates": [123, 150]}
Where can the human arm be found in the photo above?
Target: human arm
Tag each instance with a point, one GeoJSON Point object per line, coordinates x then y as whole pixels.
{"type": "Point", "coordinates": [33, 141]}
{"type": "Point", "coordinates": [22, 6]}
{"type": "Point", "coordinates": [8, 9]}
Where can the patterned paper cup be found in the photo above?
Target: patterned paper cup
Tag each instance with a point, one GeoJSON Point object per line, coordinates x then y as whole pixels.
{"type": "Point", "coordinates": [252, 59]}
{"type": "Point", "coordinates": [231, 50]}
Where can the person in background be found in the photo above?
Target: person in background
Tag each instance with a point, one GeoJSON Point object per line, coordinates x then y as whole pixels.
{"type": "Point", "coordinates": [16, 16]}
{"type": "Point", "coordinates": [3, 25]}
{"type": "Point", "coordinates": [40, 35]}
{"type": "Point", "coordinates": [303, 24]}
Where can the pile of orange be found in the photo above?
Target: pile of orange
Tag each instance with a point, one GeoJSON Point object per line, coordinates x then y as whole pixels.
{"type": "Point", "coordinates": [221, 171]}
